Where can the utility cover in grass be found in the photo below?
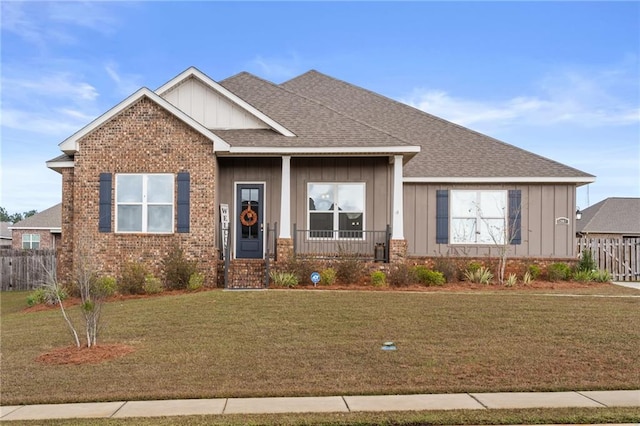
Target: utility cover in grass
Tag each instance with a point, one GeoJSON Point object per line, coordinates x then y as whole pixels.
{"type": "Point", "coordinates": [388, 346]}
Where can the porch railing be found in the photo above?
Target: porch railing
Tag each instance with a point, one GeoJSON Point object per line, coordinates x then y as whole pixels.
{"type": "Point", "coordinates": [271, 252]}
{"type": "Point", "coordinates": [365, 245]}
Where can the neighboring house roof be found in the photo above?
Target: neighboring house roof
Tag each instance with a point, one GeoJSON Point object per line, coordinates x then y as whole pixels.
{"type": "Point", "coordinates": [611, 216]}
{"type": "Point", "coordinates": [50, 218]}
{"type": "Point", "coordinates": [448, 150]}
{"type": "Point", "coordinates": [5, 232]}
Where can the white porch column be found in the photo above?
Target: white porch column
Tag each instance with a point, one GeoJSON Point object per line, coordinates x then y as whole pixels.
{"type": "Point", "coordinates": [285, 198]}
{"type": "Point", "coordinates": [397, 231]}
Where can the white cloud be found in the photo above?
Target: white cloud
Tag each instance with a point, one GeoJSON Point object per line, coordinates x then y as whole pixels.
{"type": "Point", "coordinates": [277, 68]}
{"type": "Point", "coordinates": [126, 84]}
{"type": "Point", "coordinates": [44, 23]}
{"type": "Point", "coordinates": [604, 98]}
{"type": "Point", "coordinates": [57, 103]}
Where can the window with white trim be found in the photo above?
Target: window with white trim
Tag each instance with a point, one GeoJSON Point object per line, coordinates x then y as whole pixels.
{"type": "Point", "coordinates": [30, 241]}
{"type": "Point", "coordinates": [144, 203]}
{"type": "Point", "coordinates": [478, 217]}
{"type": "Point", "coordinates": [336, 210]}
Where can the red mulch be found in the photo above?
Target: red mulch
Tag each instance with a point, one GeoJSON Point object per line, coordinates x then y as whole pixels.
{"type": "Point", "coordinates": [84, 355]}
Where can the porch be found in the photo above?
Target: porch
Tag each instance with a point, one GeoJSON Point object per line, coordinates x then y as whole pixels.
{"type": "Point", "coordinates": [366, 246]}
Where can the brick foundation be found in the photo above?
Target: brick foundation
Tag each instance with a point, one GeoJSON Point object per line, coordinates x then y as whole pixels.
{"type": "Point", "coordinates": [397, 251]}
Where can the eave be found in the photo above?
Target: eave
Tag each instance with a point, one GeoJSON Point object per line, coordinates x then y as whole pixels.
{"type": "Point", "coordinates": [580, 180]}
{"type": "Point", "coordinates": [70, 145]}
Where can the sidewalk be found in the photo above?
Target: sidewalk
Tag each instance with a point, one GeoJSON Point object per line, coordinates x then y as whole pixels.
{"type": "Point", "coordinates": [325, 404]}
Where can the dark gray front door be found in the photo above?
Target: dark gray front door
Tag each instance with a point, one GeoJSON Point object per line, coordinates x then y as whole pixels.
{"type": "Point", "coordinates": [249, 217]}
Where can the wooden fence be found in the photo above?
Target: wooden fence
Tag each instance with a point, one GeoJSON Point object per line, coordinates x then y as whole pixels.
{"type": "Point", "coordinates": [621, 257]}
{"type": "Point", "coordinates": [25, 269]}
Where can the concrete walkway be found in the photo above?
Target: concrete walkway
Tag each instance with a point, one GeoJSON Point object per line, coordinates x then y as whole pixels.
{"type": "Point", "coordinates": [325, 404]}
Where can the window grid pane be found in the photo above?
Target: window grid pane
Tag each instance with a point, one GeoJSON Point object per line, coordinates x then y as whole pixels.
{"type": "Point", "coordinates": [145, 203]}
{"type": "Point", "coordinates": [478, 217]}
{"type": "Point", "coordinates": [336, 210]}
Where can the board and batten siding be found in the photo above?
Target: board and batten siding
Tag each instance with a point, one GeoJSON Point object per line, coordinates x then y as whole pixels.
{"type": "Point", "coordinates": [267, 170]}
{"type": "Point", "coordinates": [376, 173]}
{"type": "Point", "coordinates": [209, 108]}
{"type": "Point", "coordinates": [541, 236]}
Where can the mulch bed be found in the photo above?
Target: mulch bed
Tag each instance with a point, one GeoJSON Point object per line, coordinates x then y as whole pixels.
{"type": "Point", "coordinates": [84, 355]}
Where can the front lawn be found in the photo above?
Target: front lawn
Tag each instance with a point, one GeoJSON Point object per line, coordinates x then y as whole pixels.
{"type": "Point", "coordinates": [297, 343]}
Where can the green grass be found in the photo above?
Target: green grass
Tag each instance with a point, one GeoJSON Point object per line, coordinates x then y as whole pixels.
{"type": "Point", "coordinates": [299, 343]}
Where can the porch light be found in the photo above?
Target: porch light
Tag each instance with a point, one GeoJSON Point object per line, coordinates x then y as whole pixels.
{"type": "Point", "coordinates": [578, 214]}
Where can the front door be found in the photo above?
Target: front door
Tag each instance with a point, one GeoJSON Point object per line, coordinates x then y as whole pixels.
{"type": "Point", "coordinates": [249, 217]}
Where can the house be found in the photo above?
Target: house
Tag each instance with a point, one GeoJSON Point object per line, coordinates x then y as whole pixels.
{"type": "Point", "coordinates": [5, 235]}
{"type": "Point", "coordinates": [338, 168]}
{"type": "Point", "coordinates": [40, 231]}
{"type": "Point", "coordinates": [611, 218]}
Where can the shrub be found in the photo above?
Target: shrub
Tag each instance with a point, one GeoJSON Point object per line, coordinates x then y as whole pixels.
{"type": "Point", "coordinates": [586, 263]}
{"type": "Point", "coordinates": [378, 279]}
{"type": "Point", "coordinates": [583, 276]}
{"type": "Point", "coordinates": [559, 272]}
{"type": "Point", "coordinates": [132, 278]}
{"type": "Point", "coordinates": [527, 278]}
{"type": "Point", "coordinates": [349, 270]}
{"type": "Point", "coordinates": [428, 277]}
{"type": "Point", "coordinates": [480, 276]}
{"type": "Point", "coordinates": [301, 269]}
{"type": "Point", "coordinates": [511, 280]}
{"type": "Point", "coordinates": [178, 270]}
{"type": "Point", "coordinates": [601, 276]}
{"type": "Point", "coordinates": [474, 266]}
{"type": "Point", "coordinates": [401, 276]}
{"type": "Point", "coordinates": [36, 297]}
{"type": "Point", "coordinates": [284, 279]}
{"type": "Point", "coordinates": [448, 268]}
{"type": "Point", "coordinates": [196, 281]}
{"type": "Point", "coordinates": [534, 271]}
{"type": "Point", "coordinates": [152, 285]}
{"type": "Point", "coordinates": [105, 286]}
{"type": "Point", "coordinates": [328, 276]}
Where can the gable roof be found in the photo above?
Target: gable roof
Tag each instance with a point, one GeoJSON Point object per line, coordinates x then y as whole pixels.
{"type": "Point", "coordinates": [50, 218]}
{"type": "Point", "coordinates": [318, 128]}
{"type": "Point", "coordinates": [450, 152]}
{"type": "Point", "coordinates": [611, 216]}
{"type": "Point", "coordinates": [70, 145]}
{"type": "Point", "coordinates": [193, 72]}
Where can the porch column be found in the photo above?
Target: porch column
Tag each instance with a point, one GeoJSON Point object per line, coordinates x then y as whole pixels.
{"type": "Point", "coordinates": [397, 231]}
{"type": "Point", "coordinates": [285, 198]}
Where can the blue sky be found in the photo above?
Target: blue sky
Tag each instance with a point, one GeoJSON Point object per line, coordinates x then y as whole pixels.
{"type": "Point", "coordinates": [560, 79]}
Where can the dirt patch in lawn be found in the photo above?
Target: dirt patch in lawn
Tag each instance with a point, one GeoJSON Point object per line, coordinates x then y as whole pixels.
{"type": "Point", "coordinates": [84, 355]}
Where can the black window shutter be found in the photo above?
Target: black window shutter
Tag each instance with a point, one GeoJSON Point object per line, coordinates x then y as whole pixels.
{"type": "Point", "coordinates": [104, 221]}
{"type": "Point", "coordinates": [515, 214]}
{"type": "Point", "coordinates": [183, 202]}
{"type": "Point", "coordinates": [442, 216]}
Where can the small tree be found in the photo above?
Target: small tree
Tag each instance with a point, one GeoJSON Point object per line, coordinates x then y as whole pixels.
{"type": "Point", "coordinates": [92, 289]}
{"type": "Point", "coordinates": [503, 237]}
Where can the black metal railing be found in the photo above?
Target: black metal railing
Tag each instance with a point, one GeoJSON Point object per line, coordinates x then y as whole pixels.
{"type": "Point", "coordinates": [365, 245]}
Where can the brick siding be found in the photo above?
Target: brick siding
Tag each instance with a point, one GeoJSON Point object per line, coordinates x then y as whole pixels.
{"type": "Point", "coordinates": [144, 138]}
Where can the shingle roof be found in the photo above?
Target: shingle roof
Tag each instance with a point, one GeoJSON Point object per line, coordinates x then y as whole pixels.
{"type": "Point", "coordinates": [49, 218]}
{"type": "Point", "coordinates": [314, 125]}
{"type": "Point", "coordinates": [448, 150]}
{"type": "Point", "coordinates": [611, 216]}
{"type": "Point", "coordinates": [5, 233]}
